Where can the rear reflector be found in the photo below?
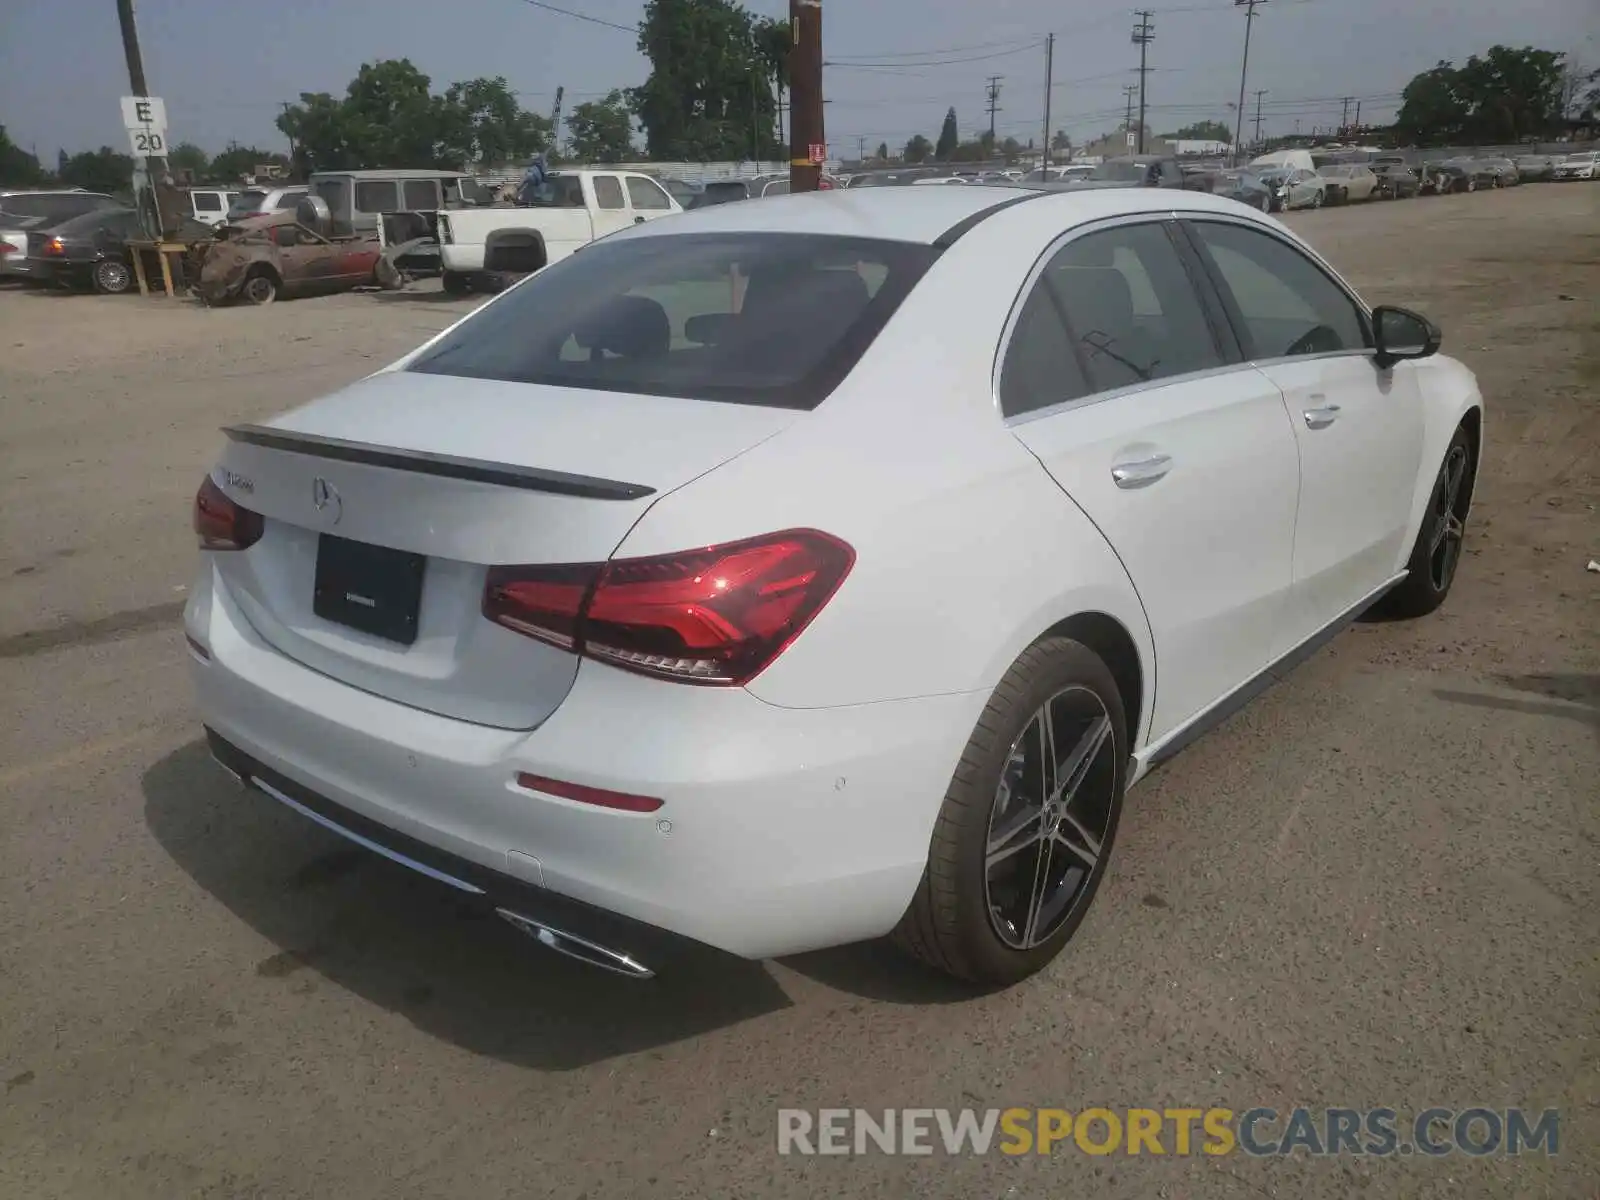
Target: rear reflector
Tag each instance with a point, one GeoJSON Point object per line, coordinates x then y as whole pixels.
{"type": "Point", "coordinates": [718, 615]}
{"type": "Point", "coordinates": [599, 797]}
{"type": "Point", "coordinates": [222, 524]}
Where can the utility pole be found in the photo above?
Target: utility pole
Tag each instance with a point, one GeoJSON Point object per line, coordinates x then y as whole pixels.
{"type": "Point", "coordinates": [1128, 92]}
{"type": "Point", "coordinates": [1358, 114]}
{"type": "Point", "coordinates": [1143, 35]}
{"type": "Point", "coordinates": [1344, 113]}
{"type": "Point", "coordinates": [1049, 77]}
{"type": "Point", "coordinates": [1249, 7]}
{"type": "Point", "coordinates": [861, 148]}
{"type": "Point", "coordinates": [806, 138]}
{"type": "Point", "coordinates": [994, 105]}
{"type": "Point", "coordinates": [1260, 92]}
{"type": "Point", "coordinates": [155, 169]}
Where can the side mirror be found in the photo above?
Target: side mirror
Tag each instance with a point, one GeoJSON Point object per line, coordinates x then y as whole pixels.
{"type": "Point", "coordinates": [1401, 333]}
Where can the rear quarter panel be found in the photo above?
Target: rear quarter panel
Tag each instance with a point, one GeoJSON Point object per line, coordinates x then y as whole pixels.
{"type": "Point", "coordinates": [966, 551]}
{"type": "Point", "coordinates": [1449, 392]}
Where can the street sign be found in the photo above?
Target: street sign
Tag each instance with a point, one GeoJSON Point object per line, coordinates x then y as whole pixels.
{"type": "Point", "coordinates": [1132, 141]}
{"type": "Point", "coordinates": [819, 154]}
{"type": "Point", "coordinates": [145, 119]}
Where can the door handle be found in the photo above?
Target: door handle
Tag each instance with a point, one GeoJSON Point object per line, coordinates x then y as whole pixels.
{"type": "Point", "coordinates": [1141, 472]}
{"type": "Point", "coordinates": [1321, 418]}
{"type": "Point", "coordinates": [638, 220]}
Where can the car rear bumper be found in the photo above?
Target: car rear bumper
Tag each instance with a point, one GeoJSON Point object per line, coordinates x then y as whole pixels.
{"type": "Point", "coordinates": [781, 830]}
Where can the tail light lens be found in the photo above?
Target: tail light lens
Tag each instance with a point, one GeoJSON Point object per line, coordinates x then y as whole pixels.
{"type": "Point", "coordinates": [718, 615]}
{"type": "Point", "coordinates": [222, 524]}
{"type": "Point", "coordinates": [55, 246]}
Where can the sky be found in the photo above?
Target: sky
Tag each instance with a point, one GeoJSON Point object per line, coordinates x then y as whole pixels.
{"type": "Point", "coordinates": [225, 67]}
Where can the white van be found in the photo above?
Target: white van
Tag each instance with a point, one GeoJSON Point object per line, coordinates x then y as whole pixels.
{"type": "Point", "coordinates": [210, 204]}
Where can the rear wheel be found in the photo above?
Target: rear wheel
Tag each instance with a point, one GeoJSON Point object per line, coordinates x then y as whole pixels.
{"type": "Point", "coordinates": [1472, 185]}
{"type": "Point", "coordinates": [1026, 828]}
{"type": "Point", "coordinates": [1437, 552]}
{"type": "Point", "coordinates": [457, 283]}
{"type": "Point", "coordinates": [1316, 199]}
{"type": "Point", "coordinates": [112, 277]}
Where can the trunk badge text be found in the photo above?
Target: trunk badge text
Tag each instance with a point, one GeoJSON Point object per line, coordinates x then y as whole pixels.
{"type": "Point", "coordinates": [237, 481]}
{"type": "Point", "coordinates": [326, 499]}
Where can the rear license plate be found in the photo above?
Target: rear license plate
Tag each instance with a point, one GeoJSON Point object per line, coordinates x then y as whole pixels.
{"type": "Point", "coordinates": [370, 588]}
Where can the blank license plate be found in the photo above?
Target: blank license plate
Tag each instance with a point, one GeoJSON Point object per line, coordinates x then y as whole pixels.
{"type": "Point", "coordinates": [370, 588]}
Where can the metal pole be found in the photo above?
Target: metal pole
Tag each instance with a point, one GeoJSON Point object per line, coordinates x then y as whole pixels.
{"type": "Point", "coordinates": [1049, 65]}
{"type": "Point", "coordinates": [1259, 93]}
{"type": "Point", "coordinates": [1142, 37]}
{"type": "Point", "coordinates": [805, 94]}
{"type": "Point", "coordinates": [1358, 114]}
{"type": "Point", "coordinates": [1249, 7]}
{"type": "Point", "coordinates": [1127, 120]}
{"type": "Point", "coordinates": [994, 99]}
{"type": "Point", "coordinates": [155, 168]}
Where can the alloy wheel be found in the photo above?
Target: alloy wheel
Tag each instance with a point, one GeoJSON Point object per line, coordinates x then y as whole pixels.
{"type": "Point", "coordinates": [1449, 522]}
{"type": "Point", "coordinates": [1050, 818]}
{"type": "Point", "coordinates": [113, 277]}
{"type": "Point", "coordinates": [258, 289]}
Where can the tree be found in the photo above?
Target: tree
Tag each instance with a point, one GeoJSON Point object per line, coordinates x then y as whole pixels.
{"type": "Point", "coordinates": [883, 151]}
{"type": "Point", "coordinates": [1201, 131]}
{"type": "Point", "coordinates": [237, 161]}
{"type": "Point", "coordinates": [1060, 142]}
{"type": "Point", "coordinates": [480, 122]}
{"type": "Point", "coordinates": [1010, 148]}
{"type": "Point", "coordinates": [714, 71]}
{"type": "Point", "coordinates": [1503, 96]}
{"type": "Point", "coordinates": [391, 113]}
{"type": "Point", "coordinates": [918, 149]}
{"type": "Point", "coordinates": [186, 156]}
{"type": "Point", "coordinates": [949, 137]}
{"type": "Point", "coordinates": [602, 131]}
{"type": "Point", "coordinates": [18, 167]}
{"type": "Point", "coordinates": [102, 170]}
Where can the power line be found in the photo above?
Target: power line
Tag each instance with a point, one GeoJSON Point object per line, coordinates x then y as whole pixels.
{"type": "Point", "coordinates": [1013, 42]}
{"type": "Point", "coordinates": [945, 62]}
{"type": "Point", "coordinates": [567, 12]}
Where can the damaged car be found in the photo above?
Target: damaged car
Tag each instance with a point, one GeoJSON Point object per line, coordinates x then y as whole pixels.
{"type": "Point", "coordinates": [301, 252]}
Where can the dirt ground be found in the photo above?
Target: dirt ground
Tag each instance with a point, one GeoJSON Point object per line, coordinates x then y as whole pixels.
{"type": "Point", "coordinates": [1375, 887]}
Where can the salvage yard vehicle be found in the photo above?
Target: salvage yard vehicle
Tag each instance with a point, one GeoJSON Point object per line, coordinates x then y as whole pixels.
{"type": "Point", "coordinates": [1396, 181]}
{"type": "Point", "coordinates": [253, 201]}
{"type": "Point", "coordinates": [570, 210]}
{"type": "Point", "coordinates": [1347, 183]}
{"type": "Point", "coordinates": [39, 209]}
{"type": "Point", "coordinates": [359, 199]}
{"type": "Point", "coordinates": [1585, 164]}
{"type": "Point", "coordinates": [647, 624]}
{"type": "Point", "coordinates": [1138, 170]}
{"type": "Point", "coordinates": [210, 206]}
{"type": "Point", "coordinates": [88, 251]}
{"type": "Point", "coordinates": [1295, 187]}
{"type": "Point", "coordinates": [299, 253]}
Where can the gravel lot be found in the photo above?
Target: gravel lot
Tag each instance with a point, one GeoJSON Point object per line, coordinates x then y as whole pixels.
{"type": "Point", "coordinates": [1375, 887]}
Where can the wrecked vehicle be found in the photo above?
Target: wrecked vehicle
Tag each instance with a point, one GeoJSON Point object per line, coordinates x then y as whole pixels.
{"type": "Point", "coordinates": [301, 252]}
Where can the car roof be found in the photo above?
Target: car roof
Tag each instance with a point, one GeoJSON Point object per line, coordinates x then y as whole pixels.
{"type": "Point", "coordinates": [925, 215]}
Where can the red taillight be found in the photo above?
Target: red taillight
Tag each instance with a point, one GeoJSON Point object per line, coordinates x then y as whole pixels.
{"type": "Point", "coordinates": [599, 797]}
{"type": "Point", "coordinates": [222, 524]}
{"type": "Point", "coordinates": [7, 248]}
{"type": "Point", "coordinates": [55, 246]}
{"type": "Point", "coordinates": [717, 615]}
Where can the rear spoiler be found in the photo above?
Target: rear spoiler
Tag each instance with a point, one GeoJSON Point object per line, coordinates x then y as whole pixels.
{"type": "Point", "coordinates": [446, 466]}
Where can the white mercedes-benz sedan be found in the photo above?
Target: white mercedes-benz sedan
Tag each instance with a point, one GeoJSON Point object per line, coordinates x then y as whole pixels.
{"type": "Point", "coordinates": [788, 574]}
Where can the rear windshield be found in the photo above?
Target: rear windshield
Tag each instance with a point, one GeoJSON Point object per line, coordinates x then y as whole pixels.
{"type": "Point", "coordinates": [247, 201]}
{"type": "Point", "coordinates": [44, 209]}
{"type": "Point", "coordinates": [774, 319]}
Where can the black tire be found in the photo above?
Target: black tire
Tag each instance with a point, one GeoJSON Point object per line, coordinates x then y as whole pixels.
{"type": "Point", "coordinates": [260, 287]}
{"type": "Point", "coordinates": [457, 283]}
{"type": "Point", "coordinates": [1470, 186]}
{"type": "Point", "coordinates": [1436, 556]}
{"type": "Point", "coordinates": [956, 918]}
{"type": "Point", "coordinates": [1316, 199]}
{"type": "Point", "coordinates": [112, 277]}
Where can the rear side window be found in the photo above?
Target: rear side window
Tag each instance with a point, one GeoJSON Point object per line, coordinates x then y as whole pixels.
{"type": "Point", "coordinates": [608, 192]}
{"type": "Point", "coordinates": [49, 209]}
{"type": "Point", "coordinates": [773, 319]}
{"type": "Point", "coordinates": [246, 202]}
{"type": "Point", "coordinates": [377, 196]}
{"type": "Point", "coordinates": [336, 192]}
{"type": "Point", "coordinates": [644, 194]}
{"type": "Point", "coordinates": [207, 202]}
{"type": "Point", "coordinates": [420, 195]}
{"type": "Point", "coordinates": [1041, 366]}
{"type": "Point", "coordinates": [288, 200]}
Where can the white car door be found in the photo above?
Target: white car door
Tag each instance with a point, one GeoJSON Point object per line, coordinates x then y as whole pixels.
{"type": "Point", "coordinates": [1118, 382]}
{"type": "Point", "coordinates": [611, 211]}
{"type": "Point", "coordinates": [1359, 427]}
{"type": "Point", "coordinates": [648, 199]}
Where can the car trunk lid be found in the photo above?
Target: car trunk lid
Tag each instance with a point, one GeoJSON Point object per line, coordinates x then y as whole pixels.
{"type": "Point", "coordinates": [386, 503]}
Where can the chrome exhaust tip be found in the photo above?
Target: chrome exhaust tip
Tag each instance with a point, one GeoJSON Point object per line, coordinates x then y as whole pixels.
{"type": "Point", "coordinates": [576, 947]}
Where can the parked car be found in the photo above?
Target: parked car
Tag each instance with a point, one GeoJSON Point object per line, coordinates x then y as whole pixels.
{"type": "Point", "coordinates": [1295, 187]}
{"type": "Point", "coordinates": [570, 210]}
{"type": "Point", "coordinates": [1535, 168]}
{"type": "Point", "coordinates": [1139, 170]}
{"type": "Point", "coordinates": [87, 251]}
{"type": "Point", "coordinates": [253, 201]}
{"type": "Point", "coordinates": [286, 253]}
{"type": "Point", "coordinates": [1348, 183]}
{"type": "Point", "coordinates": [610, 607]}
{"type": "Point", "coordinates": [1396, 181]}
{"type": "Point", "coordinates": [358, 200]}
{"type": "Point", "coordinates": [1244, 186]}
{"type": "Point", "coordinates": [1585, 164]}
{"type": "Point", "coordinates": [726, 191]}
{"type": "Point", "coordinates": [1457, 175]}
{"type": "Point", "coordinates": [683, 191]}
{"type": "Point", "coordinates": [210, 206]}
{"type": "Point", "coordinates": [39, 209]}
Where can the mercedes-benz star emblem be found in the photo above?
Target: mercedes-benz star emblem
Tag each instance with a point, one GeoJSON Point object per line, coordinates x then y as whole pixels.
{"type": "Point", "coordinates": [326, 499]}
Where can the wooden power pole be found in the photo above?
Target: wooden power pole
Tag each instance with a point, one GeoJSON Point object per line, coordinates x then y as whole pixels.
{"type": "Point", "coordinates": [807, 144]}
{"type": "Point", "coordinates": [156, 170]}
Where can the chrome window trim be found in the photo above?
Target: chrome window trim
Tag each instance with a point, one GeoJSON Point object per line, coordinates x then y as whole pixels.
{"type": "Point", "coordinates": [1158, 217]}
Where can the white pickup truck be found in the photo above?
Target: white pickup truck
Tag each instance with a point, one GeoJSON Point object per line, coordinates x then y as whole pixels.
{"type": "Point", "coordinates": [572, 209]}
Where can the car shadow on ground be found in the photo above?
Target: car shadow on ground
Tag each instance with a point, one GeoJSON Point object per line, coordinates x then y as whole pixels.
{"type": "Point", "coordinates": [431, 296]}
{"type": "Point", "coordinates": [453, 969]}
{"type": "Point", "coordinates": [1570, 697]}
